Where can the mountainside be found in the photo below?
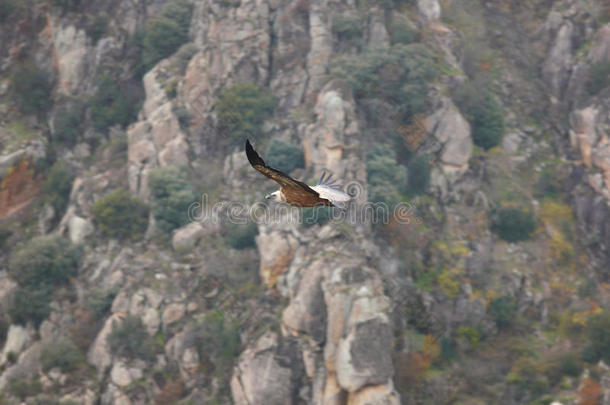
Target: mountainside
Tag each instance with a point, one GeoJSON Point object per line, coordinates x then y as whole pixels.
{"type": "Point", "coordinates": [141, 264]}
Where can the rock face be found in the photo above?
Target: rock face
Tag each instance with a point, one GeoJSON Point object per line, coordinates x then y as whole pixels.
{"type": "Point", "coordinates": [322, 314]}
{"type": "Point", "coordinates": [589, 117]}
{"type": "Point", "coordinates": [452, 132]}
{"type": "Point", "coordinates": [157, 139]}
{"type": "Point", "coordinates": [261, 377]}
{"type": "Point", "coordinates": [326, 141]}
{"type": "Point", "coordinates": [99, 353]}
{"type": "Point", "coordinates": [279, 248]}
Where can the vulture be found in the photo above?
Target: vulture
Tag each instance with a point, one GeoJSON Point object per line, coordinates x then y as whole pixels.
{"type": "Point", "coordinates": [296, 193]}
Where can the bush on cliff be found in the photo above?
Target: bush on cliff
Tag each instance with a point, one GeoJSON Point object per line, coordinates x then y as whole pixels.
{"type": "Point", "coordinates": [242, 110]}
{"type": "Point", "coordinates": [171, 195]}
{"type": "Point", "coordinates": [118, 215]}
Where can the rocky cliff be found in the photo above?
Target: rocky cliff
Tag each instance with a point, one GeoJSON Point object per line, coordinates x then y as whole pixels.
{"type": "Point", "coordinates": [138, 264]}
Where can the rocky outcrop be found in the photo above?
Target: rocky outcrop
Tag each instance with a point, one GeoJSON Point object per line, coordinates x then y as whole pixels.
{"type": "Point", "coordinates": [278, 249]}
{"type": "Point", "coordinates": [17, 338]}
{"type": "Point", "coordinates": [263, 376]}
{"type": "Point", "coordinates": [99, 354]}
{"type": "Point", "coordinates": [330, 142]}
{"type": "Point", "coordinates": [451, 132]}
{"type": "Point", "coordinates": [157, 139]}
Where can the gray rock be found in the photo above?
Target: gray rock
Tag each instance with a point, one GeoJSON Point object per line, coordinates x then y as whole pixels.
{"type": "Point", "coordinates": [376, 395]}
{"type": "Point", "coordinates": [429, 10]}
{"type": "Point", "coordinates": [277, 251]}
{"type": "Point", "coordinates": [17, 339]}
{"type": "Point", "coordinates": [45, 219]}
{"type": "Point", "coordinates": [173, 313]}
{"type": "Point", "coordinates": [259, 378]}
{"type": "Point", "coordinates": [185, 238]}
{"type": "Point", "coordinates": [556, 67]}
{"type": "Point", "coordinates": [119, 374]}
{"type": "Point", "coordinates": [99, 352]}
{"type": "Point", "coordinates": [307, 310]}
{"type": "Point", "coordinates": [28, 365]}
{"type": "Point", "coordinates": [364, 357]}
{"type": "Point", "coordinates": [511, 142]}
{"type": "Point", "coordinates": [78, 229]}
{"type": "Point", "coordinates": [452, 132]}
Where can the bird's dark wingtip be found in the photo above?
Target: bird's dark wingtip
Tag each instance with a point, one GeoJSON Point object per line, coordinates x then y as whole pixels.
{"type": "Point", "coordinates": [253, 157]}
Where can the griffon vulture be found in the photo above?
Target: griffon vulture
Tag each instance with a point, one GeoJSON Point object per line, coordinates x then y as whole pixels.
{"type": "Point", "coordinates": [326, 192]}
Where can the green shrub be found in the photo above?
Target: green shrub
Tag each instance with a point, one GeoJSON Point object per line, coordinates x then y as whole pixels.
{"type": "Point", "coordinates": [503, 310]}
{"type": "Point", "coordinates": [130, 339]}
{"type": "Point", "coordinates": [66, 125]}
{"type": "Point", "coordinates": [400, 75]}
{"type": "Point", "coordinates": [448, 350]}
{"type": "Point", "coordinates": [217, 339]}
{"type": "Point", "coordinates": [598, 334]}
{"type": "Point", "coordinates": [385, 175]}
{"type": "Point", "coordinates": [564, 364]}
{"type": "Point", "coordinates": [118, 215]}
{"type": "Point", "coordinates": [242, 236]}
{"type": "Point", "coordinates": [171, 195]}
{"type": "Point", "coordinates": [316, 215]}
{"type": "Point", "coordinates": [513, 224]}
{"type": "Point", "coordinates": [284, 156]}
{"type": "Point", "coordinates": [418, 175]}
{"type": "Point", "coordinates": [242, 110]}
{"type": "Point", "coordinates": [184, 54]}
{"type": "Point", "coordinates": [4, 325]}
{"type": "Point", "coordinates": [167, 32]}
{"type": "Point", "coordinates": [22, 388]}
{"type": "Point", "coordinates": [183, 116]}
{"type": "Point", "coordinates": [31, 89]}
{"type": "Point", "coordinates": [66, 5]}
{"type": "Point", "coordinates": [111, 105]}
{"type": "Point", "coordinates": [57, 186]}
{"type": "Point", "coordinates": [61, 353]}
{"type": "Point", "coordinates": [347, 27]}
{"type": "Point", "coordinates": [403, 32]}
{"type": "Point", "coordinates": [6, 8]}
{"type": "Point", "coordinates": [31, 304]}
{"type": "Point", "coordinates": [548, 184]}
{"type": "Point", "coordinates": [600, 77]}
{"type": "Point", "coordinates": [96, 29]}
{"type": "Point", "coordinates": [483, 113]}
{"type": "Point", "coordinates": [5, 234]}
{"type": "Point", "coordinates": [99, 301]}
{"type": "Point", "coordinates": [45, 260]}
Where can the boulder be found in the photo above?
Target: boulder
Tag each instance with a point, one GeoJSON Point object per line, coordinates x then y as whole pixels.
{"type": "Point", "coordinates": [28, 365]}
{"type": "Point", "coordinates": [99, 352]}
{"type": "Point", "coordinates": [78, 229]}
{"type": "Point", "coordinates": [17, 338]}
{"type": "Point", "coordinates": [185, 238]}
{"type": "Point", "coordinates": [172, 314]}
{"type": "Point", "coordinates": [451, 130]}
{"type": "Point", "coordinates": [429, 10]}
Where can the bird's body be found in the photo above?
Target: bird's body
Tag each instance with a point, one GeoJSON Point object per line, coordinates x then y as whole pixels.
{"type": "Point", "coordinates": [326, 193]}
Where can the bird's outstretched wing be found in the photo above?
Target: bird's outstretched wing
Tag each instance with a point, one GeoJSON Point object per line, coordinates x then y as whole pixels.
{"type": "Point", "coordinates": [281, 178]}
{"type": "Point", "coordinates": [330, 189]}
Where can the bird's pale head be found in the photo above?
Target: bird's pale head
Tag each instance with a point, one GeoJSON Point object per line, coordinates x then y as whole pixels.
{"type": "Point", "coordinates": [275, 196]}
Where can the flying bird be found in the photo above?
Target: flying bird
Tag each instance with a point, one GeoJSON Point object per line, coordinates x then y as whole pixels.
{"type": "Point", "coordinates": [298, 194]}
